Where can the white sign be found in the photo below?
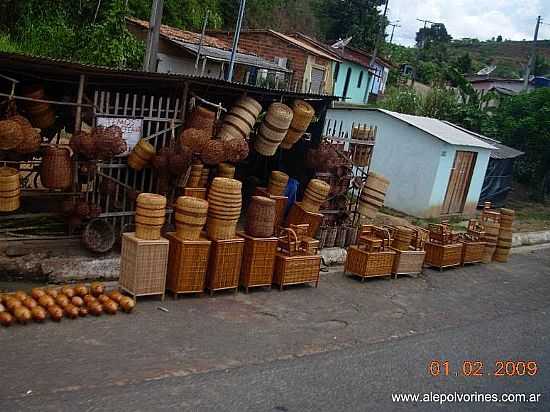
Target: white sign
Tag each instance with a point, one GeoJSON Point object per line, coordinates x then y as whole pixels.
{"type": "Point", "coordinates": [131, 128]}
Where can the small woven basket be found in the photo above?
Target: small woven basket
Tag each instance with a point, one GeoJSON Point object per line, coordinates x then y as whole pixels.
{"type": "Point", "coordinates": [195, 139]}
{"type": "Point", "coordinates": [11, 134]}
{"type": "Point", "coordinates": [277, 183]}
{"type": "Point", "coordinates": [10, 190]}
{"type": "Point", "coordinates": [99, 236]}
{"type": "Point", "coordinates": [226, 170]}
{"type": "Point", "coordinates": [190, 217]}
{"type": "Point", "coordinates": [31, 141]}
{"type": "Point", "coordinates": [213, 153]}
{"type": "Point", "coordinates": [150, 216]}
{"type": "Point", "coordinates": [56, 170]}
{"type": "Point", "coordinates": [202, 119]}
{"type": "Point", "coordinates": [261, 217]}
{"type": "Point", "coordinates": [141, 155]}
{"type": "Point", "coordinates": [236, 149]}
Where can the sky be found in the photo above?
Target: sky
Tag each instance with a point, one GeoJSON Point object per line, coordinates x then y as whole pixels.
{"type": "Point", "coordinates": [482, 19]}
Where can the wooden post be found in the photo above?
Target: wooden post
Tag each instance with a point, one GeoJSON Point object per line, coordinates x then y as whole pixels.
{"type": "Point", "coordinates": [78, 116]}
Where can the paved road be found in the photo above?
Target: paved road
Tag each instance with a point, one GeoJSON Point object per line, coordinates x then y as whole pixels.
{"type": "Point", "coordinates": [346, 346]}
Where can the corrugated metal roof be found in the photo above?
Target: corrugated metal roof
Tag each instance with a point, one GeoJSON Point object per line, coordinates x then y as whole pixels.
{"type": "Point", "coordinates": [440, 129]}
{"type": "Point", "coordinates": [19, 63]}
{"type": "Point", "coordinates": [501, 152]}
{"type": "Point", "coordinates": [304, 45]}
{"type": "Point", "coordinates": [213, 53]}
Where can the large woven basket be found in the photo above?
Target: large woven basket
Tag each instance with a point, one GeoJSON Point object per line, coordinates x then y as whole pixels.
{"type": "Point", "coordinates": [31, 141]}
{"type": "Point", "coordinates": [190, 217]}
{"type": "Point", "coordinates": [303, 114]}
{"type": "Point", "coordinates": [11, 134]}
{"type": "Point", "coordinates": [241, 119]}
{"type": "Point", "coordinates": [56, 170]}
{"type": "Point", "coordinates": [41, 114]}
{"type": "Point", "coordinates": [277, 183]}
{"type": "Point", "coordinates": [10, 189]}
{"type": "Point", "coordinates": [261, 217]}
{"type": "Point", "coordinates": [202, 119]}
{"type": "Point", "coordinates": [142, 154]}
{"type": "Point", "coordinates": [504, 244]}
{"type": "Point", "coordinates": [225, 201]}
{"type": "Point", "coordinates": [273, 129]}
{"type": "Point", "coordinates": [150, 216]}
{"type": "Point", "coordinates": [403, 238]}
{"type": "Point", "coordinates": [236, 149]}
{"type": "Point", "coordinates": [315, 195]}
{"type": "Point", "coordinates": [373, 195]}
{"type": "Point", "coordinates": [99, 236]}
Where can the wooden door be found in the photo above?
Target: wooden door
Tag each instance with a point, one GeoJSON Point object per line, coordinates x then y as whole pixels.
{"type": "Point", "coordinates": [459, 183]}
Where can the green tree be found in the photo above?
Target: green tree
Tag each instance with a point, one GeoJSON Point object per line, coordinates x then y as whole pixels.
{"type": "Point", "coordinates": [346, 18]}
{"type": "Point", "coordinates": [463, 63]}
{"type": "Point", "coordinates": [499, 39]}
{"type": "Point", "coordinates": [436, 33]}
{"type": "Point", "coordinates": [542, 66]}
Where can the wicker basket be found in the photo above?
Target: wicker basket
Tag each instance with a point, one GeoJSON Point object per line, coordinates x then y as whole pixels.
{"type": "Point", "coordinates": [225, 201]}
{"type": "Point", "coordinates": [369, 264]}
{"type": "Point", "coordinates": [261, 213]}
{"type": "Point", "coordinates": [41, 114]}
{"type": "Point", "coordinates": [109, 142]}
{"type": "Point", "coordinates": [298, 216]}
{"type": "Point", "coordinates": [236, 149]}
{"type": "Point", "coordinates": [202, 119]}
{"type": "Point", "coordinates": [187, 265]}
{"type": "Point", "coordinates": [195, 176]}
{"type": "Point", "coordinates": [141, 155]}
{"type": "Point", "coordinates": [190, 217]}
{"type": "Point", "coordinates": [280, 205]}
{"type": "Point", "coordinates": [403, 238]}
{"type": "Point", "coordinates": [504, 245]}
{"type": "Point", "coordinates": [198, 192]}
{"type": "Point", "coordinates": [294, 270]}
{"type": "Point", "coordinates": [277, 183]}
{"type": "Point", "coordinates": [11, 134]}
{"type": "Point", "coordinates": [195, 139]}
{"type": "Point", "coordinates": [143, 265]}
{"type": "Point", "coordinates": [408, 262]}
{"type": "Point", "coordinates": [241, 119]}
{"type": "Point", "coordinates": [84, 144]}
{"type": "Point", "coordinates": [224, 265]}
{"type": "Point", "coordinates": [303, 114]}
{"type": "Point", "coordinates": [488, 253]}
{"type": "Point", "coordinates": [472, 252]}
{"type": "Point", "coordinates": [10, 189]}
{"type": "Point", "coordinates": [205, 175]}
{"type": "Point", "coordinates": [273, 129]}
{"type": "Point", "coordinates": [443, 256]}
{"type": "Point", "coordinates": [332, 232]}
{"type": "Point", "coordinates": [56, 170]}
{"type": "Point", "coordinates": [31, 141]}
{"type": "Point", "coordinates": [150, 215]}
{"type": "Point", "coordinates": [315, 195]}
{"type": "Point", "coordinates": [258, 261]}
{"type": "Point", "coordinates": [226, 170]}
{"type": "Point", "coordinates": [99, 236]}
{"type": "Point", "coordinates": [213, 153]}
{"type": "Point", "coordinates": [373, 195]}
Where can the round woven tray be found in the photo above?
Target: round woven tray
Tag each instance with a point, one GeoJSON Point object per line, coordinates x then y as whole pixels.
{"type": "Point", "coordinates": [99, 236]}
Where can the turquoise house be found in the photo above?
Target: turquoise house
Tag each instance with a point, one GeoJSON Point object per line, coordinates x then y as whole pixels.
{"type": "Point", "coordinates": [351, 81]}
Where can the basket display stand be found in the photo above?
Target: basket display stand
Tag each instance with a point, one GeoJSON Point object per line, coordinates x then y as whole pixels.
{"type": "Point", "coordinates": [280, 205]}
{"type": "Point", "coordinates": [443, 256]}
{"type": "Point", "coordinates": [224, 265]}
{"type": "Point", "coordinates": [472, 252]}
{"type": "Point", "coordinates": [365, 264]}
{"type": "Point", "coordinates": [143, 266]}
{"type": "Point", "coordinates": [295, 270]}
{"type": "Point", "coordinates": [258, 261]}
{"type": "Point", "coordinates": [187, 265]}
{"type": "Point", "coordinates": [408, 262]}
{"type": "Point", "coordinates": [298, 216]}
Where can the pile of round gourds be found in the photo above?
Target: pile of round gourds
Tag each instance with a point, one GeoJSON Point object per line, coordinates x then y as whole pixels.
{"type": "Point", "coordinates": [68, 301]}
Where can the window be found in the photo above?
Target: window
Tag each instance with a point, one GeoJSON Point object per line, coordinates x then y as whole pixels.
{"type": "Point", "coordinates": [360, 81]}
{"type": "Point", "coordinates": [336, 70]}
{"type": "Point", "coordinates": [317, 80]}
{"type": "Point", "coordinates": [346, 84]}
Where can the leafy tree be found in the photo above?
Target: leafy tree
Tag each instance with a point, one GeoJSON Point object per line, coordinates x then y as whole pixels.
{"type": "Point", "coordinates": [499, 39]}
{"type": "Point", "coordinates": [542, 66]}
{"type": "Point", "coordinates": [463, 63]}
{"type": "Point", "coordinates": [436, 33]}
{"type": "Point", "coordinates": [345, 18]}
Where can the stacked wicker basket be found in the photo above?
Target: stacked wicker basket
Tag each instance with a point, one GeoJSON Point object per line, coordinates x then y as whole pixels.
{"type": "Point", "coordinates": [490, 219]}
{"type": "Point", "coordinates": [444, 249]}
{"type": "Point", "coordinates": [408, 244]}
{"type": "Point", "coordinates": [504, 242]}
{"type": "Point", "coordinates": [373, 195]}
{"type": "Point", "coordinates": [273, 129]}
{"type": "Point", "coordinates": [10, 189]}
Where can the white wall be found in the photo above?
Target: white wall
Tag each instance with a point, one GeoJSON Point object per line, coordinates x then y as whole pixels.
{"type": "Point", "coordinates": [186, 65]}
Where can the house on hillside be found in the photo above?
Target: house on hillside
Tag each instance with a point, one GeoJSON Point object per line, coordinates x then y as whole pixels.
{"type": "Point", "coordinates": [178, 50]}
{"type": "Point", "coordinates": [484, 85]}
{"type": "Point", "coordinates": [435, 169]}
{"type": "Point", "coordinates": [311, 65]}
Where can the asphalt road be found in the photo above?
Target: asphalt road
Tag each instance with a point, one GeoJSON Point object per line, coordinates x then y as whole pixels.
{"type": "Point", "coordinates": [347, 346]}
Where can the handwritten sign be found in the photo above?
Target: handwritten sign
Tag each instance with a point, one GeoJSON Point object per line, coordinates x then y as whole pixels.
{"type": "Point", "coordinates": [131, 128]}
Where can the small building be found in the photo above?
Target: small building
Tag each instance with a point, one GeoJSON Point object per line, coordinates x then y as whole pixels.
{"type": "Point", "coordinates": [435, 169]}
{"type": "Point", "coordinates": [311, 65]}
{"type": "Point", "coordinates": [178, 50]}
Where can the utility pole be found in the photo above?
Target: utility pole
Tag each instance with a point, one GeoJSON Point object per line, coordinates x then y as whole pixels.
{"type": "Point", "coordinates": [236, 40]}
{"type": "Point", "coordinates": [393, 25]}
{"type": "Point", "coordinates": [374, 53]}
{"type": "Point", "coordinates": [201, 41]}
{"type": "Point", "coordinates": [532, 58]}
{"type": "Point", "coordinates": [150, 61]}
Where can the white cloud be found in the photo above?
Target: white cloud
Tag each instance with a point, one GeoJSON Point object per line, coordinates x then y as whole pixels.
{"type": "Point", "coordinates": [482, 19]}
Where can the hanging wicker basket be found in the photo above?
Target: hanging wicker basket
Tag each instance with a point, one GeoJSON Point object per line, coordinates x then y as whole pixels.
{"type": "Point", "coordinates": [303, 114]}
{"type": "Point", "coordinates": [11, 134]}
{"type": "Point", "coordinates": [56, 170]}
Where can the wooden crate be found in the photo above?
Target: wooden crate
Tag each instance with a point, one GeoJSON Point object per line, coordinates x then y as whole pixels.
{"type": "Point", "coordinates": [224, 266]}
{"type": "Point", "coordinates": [258, 261]}
{"type": "Point", "coordinates": [280, 205]}
{"type": "Point", "coordinates": [408, 262]}
{"type": "Point", "coordinates": [294, 270]}
{"type": "Point", "coordinates": [187, 265]}
{"type": "Point", "coordinates": [143, 266]}
{"type": "Point", "coordinates": [298, 216]}
{"type": "Point", "coordinates": [369, 264]}
{"type": "Point", "coordinates": [443, 256]}
{"type": "Point", "coordinates": [198, 192]}
{"type": "Point", "coordinates": [472, 252]}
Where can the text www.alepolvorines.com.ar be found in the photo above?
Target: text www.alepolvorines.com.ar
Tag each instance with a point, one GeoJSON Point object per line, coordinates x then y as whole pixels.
{"type": "Point", "coordinates": [456, 397]}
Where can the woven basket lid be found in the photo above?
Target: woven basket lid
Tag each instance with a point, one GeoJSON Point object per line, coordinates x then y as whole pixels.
{"type": "Point", "coordinates": [249, 102]}
{"type": "Point", "coordinates": [280, 110]}
{"type": "Point", "coordinates": [7, 172]}
{"type": "Point", "coordinates": [151, 199]}
{"type": "Point", "coordinates": [278, 176]}
{"type": "Point", "coordinates": [188, 202]}
{"type": "Point", "coordinates": [226, 182]}
{"type": "Point", "coordinates": [316, 183]}
{"type": "Point", "coordinates": [262, 200]}
{"type": "Point", "coordinates": [147, 147]}
{"type": "Point", "coordinates": [304, 108]}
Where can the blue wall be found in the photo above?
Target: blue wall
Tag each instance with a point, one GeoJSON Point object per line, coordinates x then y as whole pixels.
{"type": "Point", "coordinates": [356, 93]}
